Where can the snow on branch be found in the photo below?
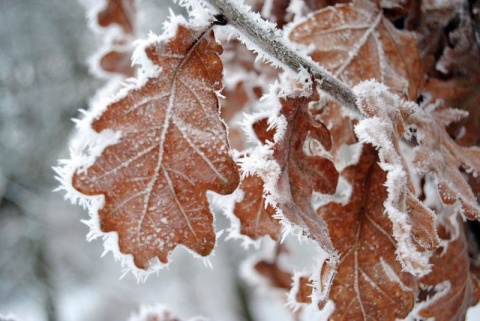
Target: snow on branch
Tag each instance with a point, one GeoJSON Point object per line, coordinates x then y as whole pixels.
{"type": "Point", "coordinates": [264, 38]}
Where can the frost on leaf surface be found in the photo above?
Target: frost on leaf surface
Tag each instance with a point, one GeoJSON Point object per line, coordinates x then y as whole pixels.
{"type": "Point", "coordinates": [355, 42]}
{"type": "Point", "coordinates": [453, 285]}
{"type": "Point", "coordinates": [438, 153]}
{"type": "Point", "coordinates": [173, 148]}
{"type": "Point", "coordinates": [256, 217]}
{"type": "Point", "coordinates": [119, 12]}
{"type": "Point", "coordinates": [301, 173]}
{"type": "Point", "coordinates": [384, 126]}
{"type": "Point", "coordinates": [116, 20]}
{"type": "Point", "coordinates": [370, 283]}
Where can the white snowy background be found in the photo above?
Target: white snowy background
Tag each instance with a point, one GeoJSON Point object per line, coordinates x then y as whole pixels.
{"type": "Point", "coordinates": [47, 269]}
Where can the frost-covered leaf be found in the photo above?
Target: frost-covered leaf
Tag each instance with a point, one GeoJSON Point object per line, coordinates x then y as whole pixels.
{"type": "Point", "coordinates": [451, 288]}
{"type": "Point", "coordinates": [118, 60]}
{"type": "Point", "coordinates": [370, 283]}
{"type": "Point", "coordinates": [454, 74]}
{"type": "Point", "coordinates": [384, 126]}
{"type": "Point", "coordinates": [173, 148]}
{"type": "Point", "coordinates": [301, 292]}
{"type": "Point", "coordinates": [300, 165]}
{"type": "Point", "coordinates": [302, 171]}
{"type": "Point", "coordinates": [339, 125]}
{"type": "Point", "coordinates": [355, 42]}
{"type": "Point", "coordinates": [119, 12]}
{"type": "Point", "coordinates": [116, 20]}
{"type": "Point", "coordinates": [438, 153]}
{"type": "Point", "coordinates": [271, 271]}
{"type": "Point", "coordinates": [263, 131]}
{"type": "Point", "coordinates": [461, 52]}
{"type": "Point", "coordinates": [256, 217]}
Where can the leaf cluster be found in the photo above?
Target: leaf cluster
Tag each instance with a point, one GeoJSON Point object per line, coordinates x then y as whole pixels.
{"type": "Point", "coordinates": [383, 192]}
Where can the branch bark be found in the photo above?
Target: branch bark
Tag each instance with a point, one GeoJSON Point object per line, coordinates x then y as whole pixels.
{"type": "Point", "coordinates": [272, 41]}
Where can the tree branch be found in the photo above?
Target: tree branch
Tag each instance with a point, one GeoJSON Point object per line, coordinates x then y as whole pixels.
{"type": "Point", "coordinates": [272, 41]}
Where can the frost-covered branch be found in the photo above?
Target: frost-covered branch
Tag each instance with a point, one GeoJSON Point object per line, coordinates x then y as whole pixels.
{"type": "Point", "coordinates": [271, 41]}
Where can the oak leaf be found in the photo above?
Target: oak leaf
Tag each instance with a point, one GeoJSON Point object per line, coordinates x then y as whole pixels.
{"type": "Point", "coordinates": [256, 217]}
{"type": "Point", "coordinates": [119, 12]}
{"type": "Point", "coordinates": [370, 283]}
{"type": "Point", "coordinates": [438, 153]}
{"type": "Point", "coordinates": [115, 57]}
{"type": "Point", "coordinates": [271, 270]}
{"type": "Point", "coordinates": [384, 126]}
{"type": "Point", "coordinates": [356, 42]}
{"type": "Point", "coordinates": [301, 165]}
{"type": "Point", "coordinates": [173, 148]}
{"type": "Point", "coordinates": [302, 173]}
{"type": "Point", "coordinates": [118, 60]}
{"type": "Point", "coordinates": [451, 288]}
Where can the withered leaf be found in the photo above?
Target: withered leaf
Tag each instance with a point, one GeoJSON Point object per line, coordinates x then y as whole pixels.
{"type": "Point", "coordinates": [438, 153]}
{"type": "Point", "coordinates": [118, 49]}
{"type": "Point", "coordinates": [451, 288]}
{"type": "Point", "coordinates": [384, 126]}
{"type": "Point", "coordinates": [339, 125]}
{"type": "Point", "coordinates": [355, 42]}
{"type": "Point", "coordinates": [462, 52]}
{"type": "Point", "coordinates": [119, 12]}
{"type": "Point", "coordinates": [256, 220]}
{"type": "Point", "coordinates": [303, 173]}
{"type": "Point", "coordinates": [173, 148]}
{"type": "Point", "coordinates": [302, 290]}
{"type": "Point", "coordinates": [262, 131]}
{"type": "Point", "coordinates": [272, 272]}
{"type": "Point", "coordinates": [370, 283]}
{"type": "Point", "coordinates": [118, 60]}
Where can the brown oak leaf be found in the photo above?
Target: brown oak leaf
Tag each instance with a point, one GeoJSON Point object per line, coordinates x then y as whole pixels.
{"type": "Point", "coordinates": [119, 12]}
{"type": "Point", "coordinates": [270, 270]}
{"type": "Point", "coordinates": [438, 153]}
{"type": "Point", "coordinates": [116, 55]}
{"type": "Point", "coordinates": [384, 126]}
{"type": "Point", "coordinates": [256, 219]}
{"type": "Point", "coordinates": [355, 42]}
{"type": "Point", "coordinates": [303, 173]}
{"type": "Point", "coordinates": [451, 288]}
{"type": "Point", "coordinates": [118, 60]}
{"type": "Point", "coordinates": [370, 283]}
{"type": "Point", "coordinates": [263, 132]}
{"type": "Point", "coordinates": [173, 148]}
{"type": "Point", "coordinates": [339, 125]}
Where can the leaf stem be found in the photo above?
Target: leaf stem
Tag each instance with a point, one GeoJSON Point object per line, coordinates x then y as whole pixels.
{"type": "Point", "coordinates": [272, 41]}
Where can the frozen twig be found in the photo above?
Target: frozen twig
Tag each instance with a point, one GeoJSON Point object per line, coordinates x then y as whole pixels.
{"type": "Point", "coordinates": [271, 40]}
